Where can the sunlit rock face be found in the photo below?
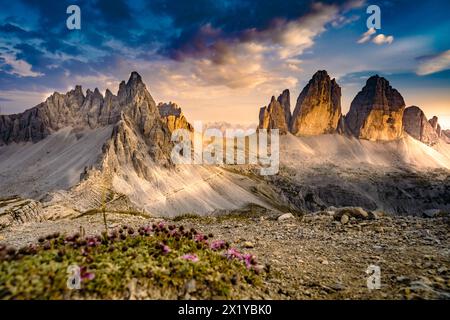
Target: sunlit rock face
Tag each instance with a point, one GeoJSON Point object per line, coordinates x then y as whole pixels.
{"type": "Point", "coordinates": [277, 114]}
{"type": "Point", "coordinates": [376, 113]}
{"type": "Point", "coordinates": [318, 107]}
{"type": "Point", "coordinates": [415, 123]}
{"type": "Point", "coordinates": [173, 117]}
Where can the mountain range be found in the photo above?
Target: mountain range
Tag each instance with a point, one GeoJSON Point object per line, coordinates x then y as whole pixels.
{"type": "Point", "coordinates": [76, 153]}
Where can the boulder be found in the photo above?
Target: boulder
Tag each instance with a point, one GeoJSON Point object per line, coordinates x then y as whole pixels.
{"type": "Point", "coordinates": [286, 216]}
{"type": "Point", "coordinates": [351, 212]}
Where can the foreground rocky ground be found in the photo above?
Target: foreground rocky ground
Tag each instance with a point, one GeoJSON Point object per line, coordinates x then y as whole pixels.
{"type": "Point", "coordinates": [317, 256]}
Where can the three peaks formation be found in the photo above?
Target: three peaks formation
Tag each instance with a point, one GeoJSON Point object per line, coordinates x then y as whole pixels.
{"type": "Point", "coordinates": [377, 113]}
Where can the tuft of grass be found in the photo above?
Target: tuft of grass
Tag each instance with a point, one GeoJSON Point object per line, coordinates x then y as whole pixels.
{"type": "Point", "coordinates": [152, 262]}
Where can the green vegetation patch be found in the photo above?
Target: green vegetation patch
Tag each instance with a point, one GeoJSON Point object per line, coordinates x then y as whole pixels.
{"type": "Point", "coordinates": [152, 262]}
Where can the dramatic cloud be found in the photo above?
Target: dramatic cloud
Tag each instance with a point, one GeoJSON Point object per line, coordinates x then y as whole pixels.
{"type": "Point", "coordinates": [433, 64]}
{"type": "Point", "coordinates": [10, 64]}
{"type": "Point", "coordinates": [254, 56]}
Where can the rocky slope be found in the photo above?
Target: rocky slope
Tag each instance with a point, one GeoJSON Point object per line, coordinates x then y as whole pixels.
{"type": "Point", "coordinates": [376, 113]}
{"type": "Point", "coordinates": [416, 125]}
{"type": "Point", "coordinates": [318, 107]}
{"type": "Point", "coordinates": [277, 114]}
{"type": "Point", "coordinates": [316, 257]}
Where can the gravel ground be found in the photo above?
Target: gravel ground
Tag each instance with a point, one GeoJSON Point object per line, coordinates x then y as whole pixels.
{"type": "Point", "coordinates": [313, 257]}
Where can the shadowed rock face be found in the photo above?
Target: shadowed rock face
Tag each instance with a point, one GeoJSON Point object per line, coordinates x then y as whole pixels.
{"type": "Point", "coordinates": [318, 107]}
{"type": "Point", "coordinates": [434, 122]}
{"type": "Point", "coordinates": [285, 100]}
{"type": "Point", "coordinates": [277, 114]}
{"type": "Point", "coordinates": [415, 123]}
{"type": "Point", "coordinates": [376, 113]}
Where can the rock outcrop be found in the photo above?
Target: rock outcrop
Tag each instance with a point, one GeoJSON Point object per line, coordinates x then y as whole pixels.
{"type": "Point", "coordinates": [173, 117]}
{"type": "Point", "coordinates": [434, 122]}
{"type": "Point", "coordinates": [318, 107]}
{"type": "Point", "coordinates": [376, 113]}
{"type": "Point", "coordinates": [415, 123]}
{"type": "Point", "coordinates": [15, 210]}
{"type": "Point", "coordinates": [277, 114]}
{"type": "Point", "coordinates": [446, 135]}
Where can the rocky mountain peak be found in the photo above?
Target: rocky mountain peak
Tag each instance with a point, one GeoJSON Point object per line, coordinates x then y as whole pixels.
{"type": "Point", "coordinates": [376, 113]}
{"type": "Point", "coordinates": [318, 107]}
{"type": "Point", "coordinates": [415, 123]}
{"type": "Point", "coordinates": [135, 91]}
{"type": "Point", "coordinates": [434, 122]}
{"type": "Point", "coordinates": [277, 114]}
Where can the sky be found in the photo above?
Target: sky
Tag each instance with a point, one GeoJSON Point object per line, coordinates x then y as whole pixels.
{"type": "Point", "coordinates": [221, 60]}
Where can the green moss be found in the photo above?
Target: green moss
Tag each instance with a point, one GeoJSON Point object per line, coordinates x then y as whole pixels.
{"type": "Point", "coordinates": [41, 273]}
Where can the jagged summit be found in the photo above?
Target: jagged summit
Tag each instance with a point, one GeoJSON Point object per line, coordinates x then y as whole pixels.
{"type": "Point", "coordinates": [376, 113]}
{"type": "Point", "coordinates": [318, 107]}
{"type": "Point", "coordinates": [277, 114]}
{"type": "Point", "coordinates": [79, 110]}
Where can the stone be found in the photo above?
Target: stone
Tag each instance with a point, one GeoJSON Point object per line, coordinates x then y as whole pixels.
{"type": "Point", "coordinates": [318, 107]}
{"type": "Point", "coordinates": [286, 216]}
{"type": "Point", "coordinates": [351, 212]}
{"type": "Point", "coordinates": [376, 113]}
{"type": "Point", "coordinates": [344, 219]}
{"type": "Point", "coordinates": [248, 245]}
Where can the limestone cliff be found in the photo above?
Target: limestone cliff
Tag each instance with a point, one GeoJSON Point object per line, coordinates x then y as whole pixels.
{"type": "Point", "coordinates": [277, 114]}
{"type": "Point", "coordinates": [415, 123]}
{"type": "Point", "coordinates": [318, 107]}
{"type": "Point", "coordinates": [376, 113]}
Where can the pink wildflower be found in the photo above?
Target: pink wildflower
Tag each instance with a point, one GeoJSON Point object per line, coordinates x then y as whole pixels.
{"type": "Point", "coordinates": [233, 253]}
{"type": "Point", "coordinates": [165, 249]}
{"type": "Point", "coordinates": [190, 257]}
{"type": "Point", "coordinates": [85, 275]}
{"type": "Point", "coordinates": [217, 245]}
